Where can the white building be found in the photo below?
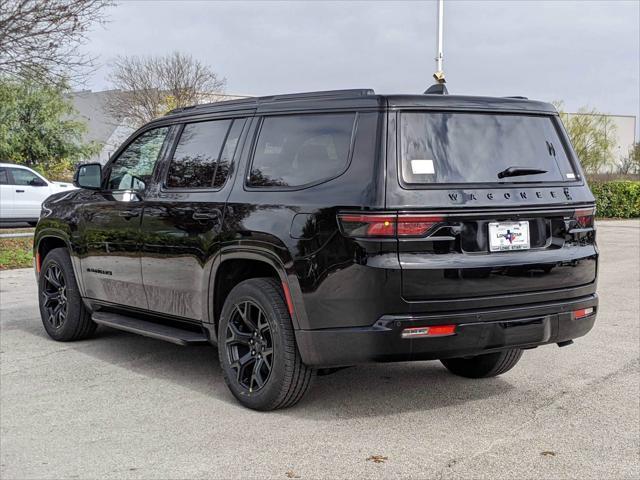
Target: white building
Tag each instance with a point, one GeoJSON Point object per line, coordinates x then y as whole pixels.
{"type": "Point", "coordinates": [105, 129]}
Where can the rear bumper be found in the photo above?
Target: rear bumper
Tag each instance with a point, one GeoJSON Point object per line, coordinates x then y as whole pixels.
{"type": "Point", "coordinates": [476, 332]}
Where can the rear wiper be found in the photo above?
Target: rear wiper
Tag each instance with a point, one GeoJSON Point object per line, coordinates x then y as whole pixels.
{"type": "Point", "coordinates": [518, 171]}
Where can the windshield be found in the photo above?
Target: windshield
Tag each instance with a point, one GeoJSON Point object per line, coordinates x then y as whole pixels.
{"type": "Point", "coordinates": [441, 147]}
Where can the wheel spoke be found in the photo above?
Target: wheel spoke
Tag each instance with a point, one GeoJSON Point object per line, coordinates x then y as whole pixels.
{"type": "Point", "coordinates": [50, 277]}
{"type": "Point", "coordinates": [49, 297]}
{"type": "Point", "coordinates": [262, 322]}
{"type": "Point", "coordinates": [267, 357]}
{"type": "Point", "coordinates": [241, 364]}
{"type": "Point", "coordinates": [237, 337]}
{"type": "Point", "coordinates": [244, 312]}
{"type": "Point", "coordinates": [256, 376]}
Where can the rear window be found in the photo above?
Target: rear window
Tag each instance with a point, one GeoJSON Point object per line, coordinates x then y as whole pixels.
{"type": "Point", "coordinates": [298, 150]}
{"type": "Point", "coordinates": [474, 147]}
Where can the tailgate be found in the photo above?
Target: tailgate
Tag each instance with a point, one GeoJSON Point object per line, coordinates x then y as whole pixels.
{"type": "Point", "coordinates": [485, 254]}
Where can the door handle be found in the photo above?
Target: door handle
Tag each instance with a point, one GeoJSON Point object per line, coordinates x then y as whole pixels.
{"type": "Point", "coordinates": [19, 191]}
{"type": "Point", "coordinates": [127, 214]}
{"type": "Point", "coordinates": [205, 216]}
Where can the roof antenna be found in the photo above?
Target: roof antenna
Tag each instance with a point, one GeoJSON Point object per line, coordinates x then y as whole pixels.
{"type": "Point", "coordinates": [439, 87]}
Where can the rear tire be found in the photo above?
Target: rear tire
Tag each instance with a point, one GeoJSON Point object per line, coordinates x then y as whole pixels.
{"type": "Point", "coordinates": [484, 366]}
{"type": "Point", "coordinates": [64, 316]}
{"type": "Point", "coordinates": [256, 345]}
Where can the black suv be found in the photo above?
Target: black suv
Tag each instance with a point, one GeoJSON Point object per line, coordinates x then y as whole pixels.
{"type": "Point", "coordinates": [302, 233]}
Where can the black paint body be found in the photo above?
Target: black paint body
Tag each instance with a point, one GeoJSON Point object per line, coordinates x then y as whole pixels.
{"type": "Point", "coordinates": [172, 255]}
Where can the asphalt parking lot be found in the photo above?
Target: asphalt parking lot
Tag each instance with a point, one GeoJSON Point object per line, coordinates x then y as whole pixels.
{"type": "Point", "coordinates": [124, 406]}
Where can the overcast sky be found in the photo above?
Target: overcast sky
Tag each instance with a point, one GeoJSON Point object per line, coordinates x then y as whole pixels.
{"type": "Point", "coordinates": [585, 53]}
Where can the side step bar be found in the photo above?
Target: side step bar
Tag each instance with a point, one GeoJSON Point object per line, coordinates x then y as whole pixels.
{"type": "Point", "coordinates": [149, 329]}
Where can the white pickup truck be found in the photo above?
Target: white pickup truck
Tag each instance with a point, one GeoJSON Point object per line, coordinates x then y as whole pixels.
{"type": "Point", "coordinates": [22, 192]}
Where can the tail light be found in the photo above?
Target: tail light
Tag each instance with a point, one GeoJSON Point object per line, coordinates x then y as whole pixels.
{"type": "Point", "coordinates": [387, 225]}
{"type": "Point", "coordinates": [416, 225]}
{"type": "Point", "coordinates": [368, 225]}
{"type": "Point", "coordinates": [584, 217]}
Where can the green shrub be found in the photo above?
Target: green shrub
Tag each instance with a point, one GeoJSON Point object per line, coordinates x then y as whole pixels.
{"type": "Point", "coordinates": [617, 199]}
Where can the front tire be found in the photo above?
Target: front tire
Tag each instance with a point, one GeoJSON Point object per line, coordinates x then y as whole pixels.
{"type": "Point", "coordinates": [64, 316]}
{"type": "Point", "coordinates": [484, 366]}
{"type": "Point", "coordinates": [257, 348]}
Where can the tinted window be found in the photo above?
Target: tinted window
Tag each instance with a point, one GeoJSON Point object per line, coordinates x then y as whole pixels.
{"type": "Point", "coordinates": [230, 146]}
{"type": "Point", "coordinates": [134, 167]}
{"type": "Point", "coordinates": [26, 178]}
{"type": "Point", "coordinates": [4, 176]}
{"type": "Point", "coordinates": [301, 149]}
{"type": "Point", "coordinates": [475, 147]}
{"type": "Point", "coordinates": [195, 159]}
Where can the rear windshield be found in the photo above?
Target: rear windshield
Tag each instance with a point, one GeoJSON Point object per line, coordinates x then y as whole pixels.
{"type": "Point", "coordinates": [474, 147]}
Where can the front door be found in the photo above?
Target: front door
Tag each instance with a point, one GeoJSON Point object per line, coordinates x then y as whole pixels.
{"type": "Point", "coordinates": [110, 224]}
{"type": "Point", "coordinates": [183, 218]}
{"type": "Point", "coordinates": [30, 191]}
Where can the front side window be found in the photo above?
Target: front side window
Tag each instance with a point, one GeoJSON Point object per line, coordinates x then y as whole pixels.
{"type": "Point", "coordinates": [4, 176]}
{"type": "Point", "coordinates": [297, 150]}
{"type": "Point", "coordinates": [26, 178]}
{"type": "Point", "coordinates": [132, 170]}
{"type": "Point", "coordinates": [464, 147]}
{"type": "Point", "coordinates": [196, 156]}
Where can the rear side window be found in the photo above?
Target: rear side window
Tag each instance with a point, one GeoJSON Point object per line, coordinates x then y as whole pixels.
{"type": "Point", "coordinates": [194, 161]}
{"type": "Point", "coordinates": [474, 147]}
{"type": "Point", "coordinates": [298, 150]}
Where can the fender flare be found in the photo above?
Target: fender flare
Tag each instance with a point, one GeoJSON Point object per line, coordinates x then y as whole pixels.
{"type": "Point", "coordinates": [285, 272]}
{"type": "Point", "coordinates": [75, 260]}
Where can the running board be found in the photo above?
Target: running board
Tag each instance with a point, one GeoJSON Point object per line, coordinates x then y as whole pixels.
{"type": "Point", "coordinates": [149, 329]}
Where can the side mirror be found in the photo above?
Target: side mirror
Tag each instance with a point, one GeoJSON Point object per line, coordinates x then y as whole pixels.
{"type": "Point", "coordinates": [38, 182]}
{"type": "Point", "coordinates": [88, 176]}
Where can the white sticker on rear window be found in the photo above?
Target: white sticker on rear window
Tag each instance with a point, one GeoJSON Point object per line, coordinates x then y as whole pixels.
{"type": "Point", "coordinates": [422, 167]}
{"type": "Point", "coordinates": [571, 176]}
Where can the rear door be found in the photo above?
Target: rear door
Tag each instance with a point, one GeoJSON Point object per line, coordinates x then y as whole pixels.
{"type": "Point", "coordinates": [183, 216]}
{"type": "Point", "coordinates": [471, 235]}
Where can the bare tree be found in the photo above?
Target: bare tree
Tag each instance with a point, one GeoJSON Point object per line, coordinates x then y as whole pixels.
{"type": "Point", "coordinates": [44, 37]}
{"type": "Point", "coordinates": [151, 86]}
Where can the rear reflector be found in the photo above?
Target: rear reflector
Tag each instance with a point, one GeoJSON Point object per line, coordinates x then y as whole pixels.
{"type": "Point", "coordinates": [287, 297]}
{"type": "Point", "coordinates": [434, 331]}
{"type": "Point", "coordinates": [583, 312]}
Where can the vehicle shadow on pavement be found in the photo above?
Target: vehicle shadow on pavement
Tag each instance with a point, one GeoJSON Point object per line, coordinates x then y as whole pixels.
{"type": "Point", "coordinates": [356, 392]}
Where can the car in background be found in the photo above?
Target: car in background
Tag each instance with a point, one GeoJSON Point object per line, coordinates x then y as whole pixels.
{"type": "Point", "coordinates": [22, 192]}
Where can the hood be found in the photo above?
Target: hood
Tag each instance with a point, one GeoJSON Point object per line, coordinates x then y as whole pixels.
{"type": "Point", "coordinates": [63, 185]}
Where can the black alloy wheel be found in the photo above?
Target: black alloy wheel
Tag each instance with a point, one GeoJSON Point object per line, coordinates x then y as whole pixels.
{"type": "Point", "coordinates": [249, 345]}
{"type": "Point", "coordinates": [54, 293]}
{"type": "Point", "coordinates": [64, 314]}
{"type": "Point", "coordinates": [257, 347]}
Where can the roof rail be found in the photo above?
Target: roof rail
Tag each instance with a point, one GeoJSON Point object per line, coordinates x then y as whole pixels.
{"type": "Point", "coordinates": [355, 92]}
{"type": "Point", "coordinates": [519, 97]}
